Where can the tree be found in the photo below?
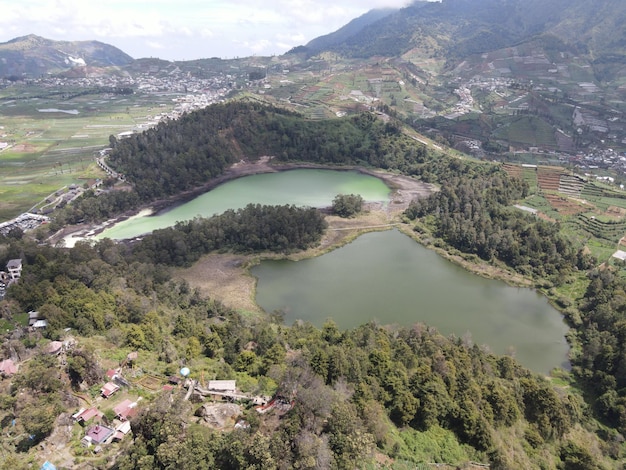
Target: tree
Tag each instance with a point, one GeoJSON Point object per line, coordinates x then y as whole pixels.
{"type": "Point", "coordinates": [82, 366]}
{"type": "Point", "coordinates": [38, 417]}
{"type": "Point", "coordinates": [350, 442]}
{"type": "Point", "coordinates": [347, 205]}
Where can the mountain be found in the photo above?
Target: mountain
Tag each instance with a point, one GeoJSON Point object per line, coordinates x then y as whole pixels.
{"type": "Point", "coordinates": [353, 27]}
{"type": "Point", "coordinates": [456, 29]}
{"type": "Point", "coordinates": [34, 56]}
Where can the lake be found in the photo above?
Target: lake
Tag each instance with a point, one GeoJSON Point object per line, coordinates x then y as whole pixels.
{"type": "Point", "coordinates": [390, 278]}
{"type": "Point", "coordinates": [383, 276]}
{"type": "Point", "coordinates": [302, 187]}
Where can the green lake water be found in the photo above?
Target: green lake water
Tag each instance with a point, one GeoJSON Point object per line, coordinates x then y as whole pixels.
{"type": "Point", "coordinates": [303, 187]}
{"type": "Point", "coordinates": [390, 278]}
{"type": "Point", "coordinates": [383, 276]}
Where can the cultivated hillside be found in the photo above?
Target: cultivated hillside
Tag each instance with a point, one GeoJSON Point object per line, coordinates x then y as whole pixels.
{"type": "Point", "coordinates": [456, 29]}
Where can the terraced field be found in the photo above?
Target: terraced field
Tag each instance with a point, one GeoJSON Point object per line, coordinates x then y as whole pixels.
{"type": "Point", "coordinates": [52, 141]}
{"type": "Point", "coordinates": [609, 230]}
{"type": "Point", "coordinates": [549, 178]}
{"type": "Point", "coordinates": [590, 213]}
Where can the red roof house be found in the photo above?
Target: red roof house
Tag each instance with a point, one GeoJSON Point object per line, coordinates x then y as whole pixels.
{"type": "Point", "coordinates": [125, 410]}
{"type": "Point", "coordinates": [86, 415]}
{"type": "Point", "coordinates": [98, 434]}
{"type": "Point", "coordinates": [109, 389]}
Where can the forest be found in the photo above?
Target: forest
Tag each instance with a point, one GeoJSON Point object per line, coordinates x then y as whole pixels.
{"type": "Point", "coordinates": [182, 154]}
{"type": "Point", "coordinates": [475, 216]}
{"type": "Point", "coordinates": [358, 394]}
{"type": "Point", "coordinates": [373, 389]}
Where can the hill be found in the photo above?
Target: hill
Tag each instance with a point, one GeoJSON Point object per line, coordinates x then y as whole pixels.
{"type": "Point", "coordinates": [34, 56]}
{"type": "Point", "coordinates": [456, 29]}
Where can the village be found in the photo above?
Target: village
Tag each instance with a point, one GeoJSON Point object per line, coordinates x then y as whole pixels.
{"type": "Point", "coordinates": [103, 413]}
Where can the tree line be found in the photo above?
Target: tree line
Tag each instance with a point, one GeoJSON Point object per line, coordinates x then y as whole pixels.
{"type": "Point", "coordinates": [251, 229]}
{"type": "Point", "coordinates": [179, 155]}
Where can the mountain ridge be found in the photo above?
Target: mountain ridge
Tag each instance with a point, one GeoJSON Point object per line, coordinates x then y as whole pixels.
{"type": "Point", "coordinates": [457, 29]}
{"type": "Point", "coordinates": [33, 55]}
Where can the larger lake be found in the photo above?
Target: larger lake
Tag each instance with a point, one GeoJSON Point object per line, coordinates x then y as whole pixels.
{"type": "Point", "coordinates": [303, 187]}
{"type": "Point", "coordinates": [388, 277]}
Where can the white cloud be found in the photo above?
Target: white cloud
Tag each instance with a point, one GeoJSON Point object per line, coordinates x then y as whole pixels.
{"type": "Point", "coordinates": [214, 27]}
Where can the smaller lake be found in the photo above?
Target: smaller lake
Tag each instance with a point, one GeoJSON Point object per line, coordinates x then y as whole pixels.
{"type": "Point", "coordinates": [390, 278]}
{"type": "Point", "coordinates": [302, 187]}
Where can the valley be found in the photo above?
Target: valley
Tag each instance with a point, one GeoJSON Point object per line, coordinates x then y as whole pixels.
{"type": "Point", "coordinates": [295, 333]}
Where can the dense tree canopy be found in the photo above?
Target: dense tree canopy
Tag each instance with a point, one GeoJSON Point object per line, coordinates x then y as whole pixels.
{"type": "Point", "coordinates": [347, 205]}
{"type": "Point", "coordinates": [253, 228]}
{"type": "Point", "coordinates": [474, 215]}
{"type": "Point", "coordinates": [179, 155]}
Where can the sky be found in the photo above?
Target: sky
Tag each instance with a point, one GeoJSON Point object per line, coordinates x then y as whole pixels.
{"type": "Point", "coordinates": [184, 29]}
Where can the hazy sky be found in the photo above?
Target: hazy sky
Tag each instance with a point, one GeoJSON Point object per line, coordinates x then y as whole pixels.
{"type": "Point", "coordinates": [184, 29]}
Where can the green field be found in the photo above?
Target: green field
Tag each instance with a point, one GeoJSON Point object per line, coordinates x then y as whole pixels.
{"type": "Point", "coordinates": [49, 150]}
{"type": "Point", "coordinates": [528, 130]}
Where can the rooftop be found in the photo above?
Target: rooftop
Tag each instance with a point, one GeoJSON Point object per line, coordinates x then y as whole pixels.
{"type": "Point", "coordinates": [109, 389]}
{"type": "Point", "coordinates": [223, 385]}
{"type": "Point", "coordinates": [99, 434]}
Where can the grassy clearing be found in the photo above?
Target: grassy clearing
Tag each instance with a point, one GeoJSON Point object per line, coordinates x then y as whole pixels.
{"type": "Point", "coordinates": [19, 320]}
{"type": "Point", "coordinates": [574, 287]}
{"type": "Point", "coordinates": [225, 276]}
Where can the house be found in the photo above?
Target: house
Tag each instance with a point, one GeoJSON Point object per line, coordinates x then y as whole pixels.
{"type": "Point", "coordinates": [14, 267]}
{"type": "Point", "coordinates": [40, 324]}
{"type": "Point", "coordinates": [125, 410]}
{"type": "Point", "coordinates": [109, 389]}
{"type": "Point", "coordinates": [121, 431]}
{"type": "Point", "coordinates": [227, 386]}
{"type": "Point", "coordinates": [7, 368]}
{"type": "Point", "coordinates": [98, 434]}
{"type": "Point", "coordinates": [84, 416]}
{"type": "Point", "coordinates": [32, 317]}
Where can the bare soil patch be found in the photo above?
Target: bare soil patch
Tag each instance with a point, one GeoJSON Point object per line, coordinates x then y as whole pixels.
{"type": "Point", "coordinates": [564, 205]}
{"type": "Point", "coordinates": [615, 211]}
{"type": "Point", "coordinates": [25, 148]}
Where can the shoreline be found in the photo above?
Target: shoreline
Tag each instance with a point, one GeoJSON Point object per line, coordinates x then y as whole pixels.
{"type": "Point", "coordinates": [403, 190]}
